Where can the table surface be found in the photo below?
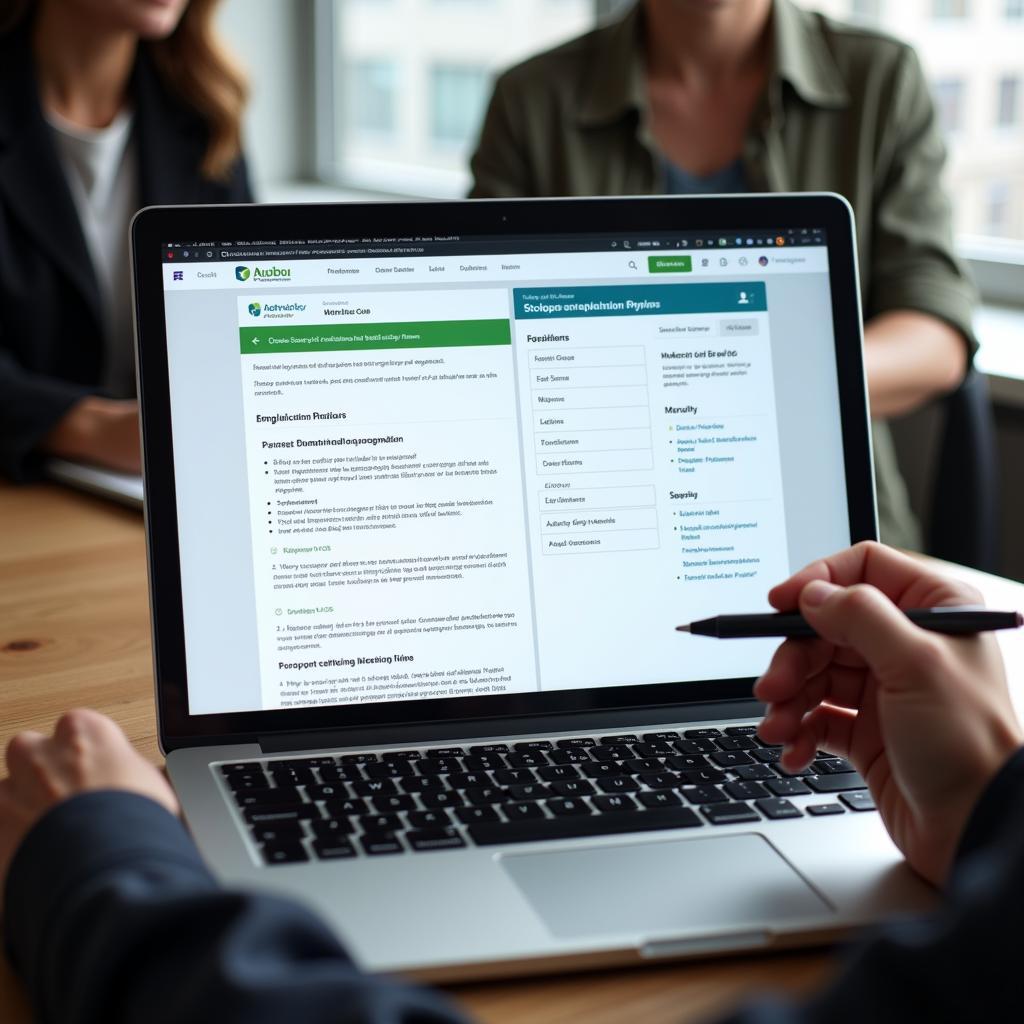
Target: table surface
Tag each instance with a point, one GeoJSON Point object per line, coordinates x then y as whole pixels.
{"type": "Point", "coordinates": [74, 631]}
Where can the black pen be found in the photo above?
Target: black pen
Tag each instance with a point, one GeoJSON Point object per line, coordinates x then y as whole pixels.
{"type": "Point", "coordinates": [962, 619]}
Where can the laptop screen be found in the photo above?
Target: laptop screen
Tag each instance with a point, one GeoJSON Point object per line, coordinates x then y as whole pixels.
{"type": "Point", "coordinates": [465, 466]}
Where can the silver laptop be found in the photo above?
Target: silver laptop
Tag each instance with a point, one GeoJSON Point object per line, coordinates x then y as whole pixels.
{"type": "Point", "coordinates": [428, 488]}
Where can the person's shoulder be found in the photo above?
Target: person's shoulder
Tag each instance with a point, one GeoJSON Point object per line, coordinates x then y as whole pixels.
{"type": "Point", "coordinates": [560, 68]}
{"type": "Point", "coordinates": [864, 52]}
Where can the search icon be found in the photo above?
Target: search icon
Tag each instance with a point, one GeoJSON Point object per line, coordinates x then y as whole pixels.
{"type": "Point", "coordinates": [632, 265]}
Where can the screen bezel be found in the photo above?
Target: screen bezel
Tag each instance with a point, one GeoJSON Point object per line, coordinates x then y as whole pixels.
{"type": "Point", "coordinates": [156, 226]}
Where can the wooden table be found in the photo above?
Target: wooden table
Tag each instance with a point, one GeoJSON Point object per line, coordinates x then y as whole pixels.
{"type": "Point", "coordinates": [74, 631]}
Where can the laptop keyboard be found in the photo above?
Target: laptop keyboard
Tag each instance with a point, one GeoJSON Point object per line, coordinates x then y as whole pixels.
{"type": "Point", "coordinates": [445, 798]}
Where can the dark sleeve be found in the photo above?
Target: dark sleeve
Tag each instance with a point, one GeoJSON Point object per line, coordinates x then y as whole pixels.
{"type": "Point", "coordinates": [499, 165]}
{"type": "Point", "coordinates": [239, 186]}
{"type": "Point", "coordinates": [959, 964]}
{"type": "Point", "coordinates": [913, 262]}
{"type": "Point", "coordinates": [111, 916]}
{"type": "Point", "coordinates": [31, 404]}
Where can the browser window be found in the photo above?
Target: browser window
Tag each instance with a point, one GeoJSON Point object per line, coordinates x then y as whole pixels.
{"type": "Point", "coordinates": [461, 467]}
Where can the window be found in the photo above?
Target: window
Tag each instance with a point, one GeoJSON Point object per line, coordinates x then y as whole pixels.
{"type": "Point", "coordinates": [408, 121]}
{"type": "Point", "coordinates": [458, 96]}
{"type": "Point", "coordinates": [371, 97]}
{"type": "Point", "coordinates": [1014, 9]}
{"type": "Point", "coordinates": [868, 9]}
{"type": "Point", "coordinates": [1007, 101]}
{"type": "Point", "coordinates": [942, 9]}
{"type": "Point", "coordinates": [997, 210]}
{"type": "Point", "coordinates": [949, 101]}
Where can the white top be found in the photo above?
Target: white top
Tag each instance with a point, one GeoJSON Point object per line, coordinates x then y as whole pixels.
{"type": "Point", "coordinates": [100, 165]}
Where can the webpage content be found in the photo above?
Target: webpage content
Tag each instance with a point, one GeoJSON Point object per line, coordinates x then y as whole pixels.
{"type": "Point", "coordinates": [474, 478]}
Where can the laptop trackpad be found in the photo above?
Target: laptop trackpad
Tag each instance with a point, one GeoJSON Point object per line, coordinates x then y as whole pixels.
{"type": "Point", "coordinates": [666, 886]}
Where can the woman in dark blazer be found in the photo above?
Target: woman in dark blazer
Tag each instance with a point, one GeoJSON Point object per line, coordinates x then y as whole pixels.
{"type": "Point", "coordinates": [106, 106]}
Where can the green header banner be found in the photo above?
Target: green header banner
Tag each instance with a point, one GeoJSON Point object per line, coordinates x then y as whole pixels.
{"type": "Point", "coordinates": [256, 341]}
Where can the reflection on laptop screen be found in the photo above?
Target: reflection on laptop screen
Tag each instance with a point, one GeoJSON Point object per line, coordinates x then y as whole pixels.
{"type": "Point", "coordinates": [423, 468]}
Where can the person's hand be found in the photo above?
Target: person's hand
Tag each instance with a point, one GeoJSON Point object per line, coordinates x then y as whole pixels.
{"type": "Point", "coordinates": [86, 752]}
{"type": "Point", "coordinates": [925, 718]}
{"type": "Point", "coordinates": [101, 431]}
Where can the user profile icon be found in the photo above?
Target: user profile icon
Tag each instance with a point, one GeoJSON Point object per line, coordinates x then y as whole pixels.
{"type": "Point", "coordinates": [763, 260]}
{"type": "Point", "coordinates": [744, 299]}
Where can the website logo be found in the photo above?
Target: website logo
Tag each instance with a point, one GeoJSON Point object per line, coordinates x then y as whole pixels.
{"type": "Point", "coordinates": [178, 275]}
{"type": "Point", "coordinates": [254, 309]}
{"type": "Point", "coordinates": [242, 273]}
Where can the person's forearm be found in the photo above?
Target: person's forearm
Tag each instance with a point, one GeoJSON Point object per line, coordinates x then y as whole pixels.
{"type": "Point", "coordinates": [130, 926]}
{"type": "Point", "coordinates": [910, 357]}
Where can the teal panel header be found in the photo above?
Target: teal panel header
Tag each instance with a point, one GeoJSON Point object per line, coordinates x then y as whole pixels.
{"type": "Point", "coordinates": [640, 300]}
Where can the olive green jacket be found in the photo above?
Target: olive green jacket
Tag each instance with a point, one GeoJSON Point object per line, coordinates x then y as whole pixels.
{"type": "Point", "coordinates": [846, 110]}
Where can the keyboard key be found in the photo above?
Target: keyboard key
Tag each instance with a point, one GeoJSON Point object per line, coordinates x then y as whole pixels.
{"type": "Point", "coordinates": [572, 787]}
{"type": "Point", "coordinates": [527, 759]}
{"type": "Point", "coordinates": [272, 814]}
{"type": "Point", "coordinates": [612, 752]}
{"type": "Point", "coordinates": [439, 765]}
{"type": "Point", "coordinates": [483, 762]}
{"type": "Point", "coordinates": [241, 768]}
{"type": "Point", "coordinates": [662, 798]}
{"type": "Point", "coordinates": [284, 853]}
{"type": "Point", "coordinates": [830, 766]}
{"type": "Point", "coordinates": [444, 752]}
{"type": "Point", "coordinates": [374, 787]}
{"type": "Point", "coordinates": [697, 746]}
{"type": "Point", "coordinates": [861, 801]}
{"type": "Point", "coordinates": [291, 776]}
{"type": "Point", "coordinates": [736, 743]}
{"type": "Point", "coordinates": [653, 749]}
{"type": "Point", "coordinates": [422, 784]}
{"type": "Point", "coordinates": [622, 739]}
{"type": "Point", "coordinates": [745, 790]}
{"type": "Point", "coordinates": [524, 810]}
{"type": "Point", "coordinates": [741, 730]}
{"type": "Point", "coordinates": [439, 818]}
{"type": "Point", "coordinates": [729, 814]}
{"type": "Point", "coordinates": [603, 769]}
{"type": "Point", "coordinates": [486, 795]}
{"type": "Point", "coordinates": [471, 815]}
{"type": "Point", "coordinates": [787, 774]}
{"type": "Point", "coordinates": [380, 843]}
{"type": "Point", "coordinates": [660, 780]}
{"type": "Point", "coordinates": [568, 807]}
{"type": "Point", "coordinates": [285, 831]}
{"type": "Point", "coordinates": [349, 773]}
{"type": "Point", "coordinates": [435, 839]}
{"type": "Point", "coordinates": [531, 791]}
{"type": "Point", "coordinates": [380, 822]}
{"type": "Point", "coordinates": [280, 795]}
{"type": "Point", "coordinates": [514, 776]}
{"type": "Point", "coordinates": [705, 776]}
{"type": "Point", "coordinates": [615, 803]}
{"type": "Point", "coordinates": [618, 784]}
{"type": "Point", "coordinates": [754, 772]}
{"type": "Point", "coordinates": [704, 795]}
{"type": "Point", "coordinates": [730, 758]}
{"type": "Point", "coordinates": [247, 780]}
{"type": "Point", "coordinates": [822, 810]}
{"type": "Point", "coordinates": [343, 808]}
{"type": "Point", "coordinates": [787, 787]}
{"type": "Point", "coordinates": [533, 745]}
{"type": "Point", "coordinates": [328, 791]}
{"type": "Point", "coordinates": [575, 742]}
{"type": "Point", "coordinates": [358, 758]}
{"type": "Point", "coordinates": [470, 780]}
{"type": "Point", "coordinates": [777, 808]}
{"type": "Point", "coordinates": [401, 755]}
{"type": "Point", "coordinates": [558, 772]}
{"type": "Point", "coordinates": [394, 802]}
{"type": "Point", "coordinates": [445, 798]}
{"type": "Point", "coordinates": [335, 848]}
{"type": "Point", "coordinates": [700, 734]}
{"type": "Point", "coordinates": [489, 748]}
{"type": "Point", "coordinates": [767, 755]}
{"type": "Point", "coordinates": [686, 762]}
{"type": "Point", "coordinates": [572, 755]}
{"type": "Point", "coordinates": [636, 765]}
{"type": "Point", "coordinates": [660, 737]}
{"type": "Point", "coordinates": [390, 770]}
{"type": "Point", "coordinates": [836, 783]}
{"type": "Point", "coordinates": [332, 828]}
{"type": "Point", "coordinates": [490, 834]}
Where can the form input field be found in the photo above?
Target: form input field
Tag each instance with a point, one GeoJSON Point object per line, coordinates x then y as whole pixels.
{"type": "Point", "coordinates": [613, 355]}
{"type": "Point", "coordinates": [598, 543]}
{"type": "Point", "coordinates": [589, 398]}
{"type": "Point", "coordinates": [592, 419]}
{"type": "Point", "coordinates": [565, 442]}
{"type": "Point", "coordinates": [596, 462]}
{"type": "Point", "coordinates": [640, 496]}
{"type": "Point", "coordinates": [599, 522]}
{"type": "Point", "coordinates": [588, 377]}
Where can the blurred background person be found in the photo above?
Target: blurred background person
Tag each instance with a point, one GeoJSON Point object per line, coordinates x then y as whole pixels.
{"type": "Point", "coordinates": [713, 96]}
{"type": "Point", "coordinates": [106, 106]}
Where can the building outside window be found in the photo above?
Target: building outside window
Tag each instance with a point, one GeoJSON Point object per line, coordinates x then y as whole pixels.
{"type": "Point", "coordinates": [458, 96]}
{"type": "Point", "coordinates": [997, 213]}
{"type": "Point", "coordinates": [949, 9]}
{"type": "Point", "coordinates": [1008, 101]}
{"type": "Point", "coordinates": [371, 97]}
{"type": "Point", "coordinates": [949, 102]}
{"type": "Point", "coordinates": [1014, 9]}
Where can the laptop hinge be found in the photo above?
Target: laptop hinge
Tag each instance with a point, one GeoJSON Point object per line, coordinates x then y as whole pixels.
{"type": "Point", "coordinates": [432, 732]}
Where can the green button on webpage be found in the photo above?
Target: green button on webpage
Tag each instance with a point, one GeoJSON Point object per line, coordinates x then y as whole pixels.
{"type": "Point", "coordinates": [670, 264]}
